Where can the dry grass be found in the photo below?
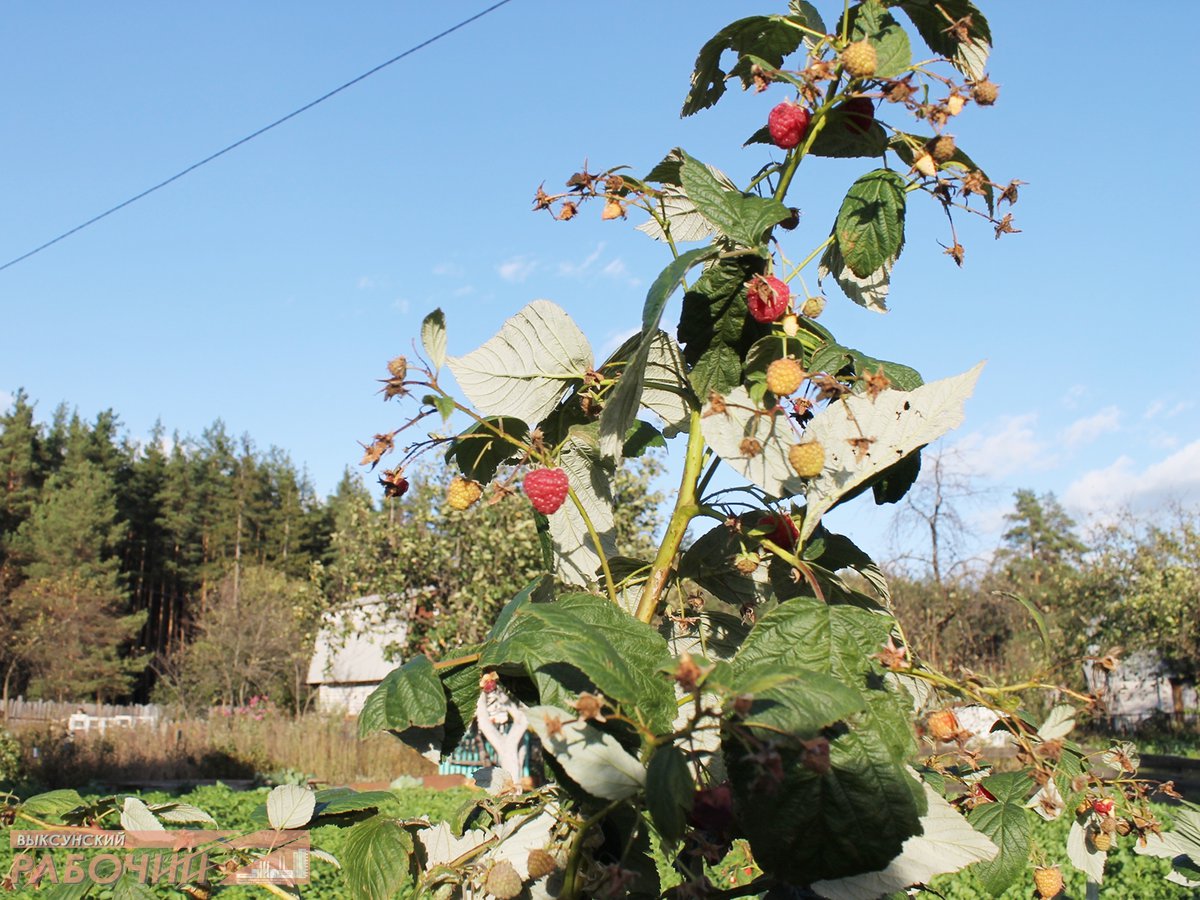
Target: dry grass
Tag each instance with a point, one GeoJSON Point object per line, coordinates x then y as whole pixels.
{"type": "Point", "coordinates": [235, 747]}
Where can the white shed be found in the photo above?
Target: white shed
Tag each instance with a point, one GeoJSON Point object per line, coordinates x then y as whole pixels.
{"type": "Point", "coordinates": [1139, 688]}
{"type": "Point", "coordinates": [358, 645]}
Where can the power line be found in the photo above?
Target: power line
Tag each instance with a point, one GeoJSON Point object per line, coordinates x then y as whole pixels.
{"type": "Point", "coordinates": [194, 166]}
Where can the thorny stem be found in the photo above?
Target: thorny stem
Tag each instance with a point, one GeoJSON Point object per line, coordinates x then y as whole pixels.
{"type": "Point", "coordinates": [685, 510]}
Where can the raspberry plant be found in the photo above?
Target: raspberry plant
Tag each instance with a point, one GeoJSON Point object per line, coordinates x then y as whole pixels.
{"type": "Point", "coordinates": [741, 708]}
{"type": "Point", "coordinates": [734, 716]}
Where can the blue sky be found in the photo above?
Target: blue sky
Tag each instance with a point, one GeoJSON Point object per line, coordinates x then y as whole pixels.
{"type": "Point", "coordinates": [270, 287]}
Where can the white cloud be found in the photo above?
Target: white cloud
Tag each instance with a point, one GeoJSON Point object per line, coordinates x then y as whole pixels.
{"type": "Point", "coordinates": [1087, 429]}
{"type": "Point", "coordinates": [517, 269]}
{"type": "Point", "coordinates": [463, 290]}
{"type": "Point", "coordinates": [1010, 447]}
{"type": "Point", "coordinates": [1074, 394]}
{"type": "Point", "coordinates": [401, 304]}
{"type": "Point", "coordinates": [449, 270]}
{"type": "Point", "coordinates": [365, 282]}
{"type": "Point", "coordinates": [1175, 479]}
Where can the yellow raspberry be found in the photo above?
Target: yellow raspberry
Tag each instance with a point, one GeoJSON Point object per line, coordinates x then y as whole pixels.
{"type": "Point", "coordinates": [784, 377]}
{"type": "Point", "coordinates": [540, 864]}
{"type": "Point", "coordinates": [808, 459]}
{"type": "Point", "coordinates": [985, 92]}
{"type": "Point", "coordinates": [463, 492]}
{"type": "Point", "coordinates": [1048, 880]}
{"type": "Point", "coordinates": [941, 148]}
{"type": "Point", "coordinates": [1102, 841]}
{"type": "Point", "coordinates": [860, 59]}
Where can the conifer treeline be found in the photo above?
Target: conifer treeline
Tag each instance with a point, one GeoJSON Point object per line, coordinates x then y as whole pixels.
{"type": "Point", "coordinates": [128, 542]}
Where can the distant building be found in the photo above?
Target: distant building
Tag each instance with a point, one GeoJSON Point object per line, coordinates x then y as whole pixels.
{"type": "Point", "coordinates": [357, 647]}
{"type": "Point", "coordinates": [1139, 688]}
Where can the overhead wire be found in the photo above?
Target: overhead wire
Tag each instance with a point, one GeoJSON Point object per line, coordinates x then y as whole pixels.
{"type": "Point", "coordinates": [261, 131]}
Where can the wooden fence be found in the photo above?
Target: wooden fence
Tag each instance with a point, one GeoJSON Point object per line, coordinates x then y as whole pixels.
{"type": "Point", "coordinates": [32, 712]}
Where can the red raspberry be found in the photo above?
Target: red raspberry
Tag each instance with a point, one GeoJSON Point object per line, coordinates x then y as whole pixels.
{"type": "Point", "coordinates": [788, 124]}
{"type": "Point", "coordinates": [859, 114]}
{"type": "Point", "coordinates": [767, 297]}
{"type": "Point", "coordinates": [546, 489]}
{"type": "Point", "coordinates": [1104, 806]}
{"type": "Point", "coordinates": [785, 535]}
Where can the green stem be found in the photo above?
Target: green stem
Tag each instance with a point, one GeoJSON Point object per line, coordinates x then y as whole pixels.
{"type": "Point", "coordinates": [609, 583]}
{"type": "Point", "coordinates": [570, 889]}
{"type": "Point", "coordinates": [685, 510]}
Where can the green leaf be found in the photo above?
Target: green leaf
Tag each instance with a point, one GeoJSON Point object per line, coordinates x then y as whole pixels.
{"type": "Point", "coordinates": [461, 684]}
{"type": "Point", "coordinates": [618, 654]}
{"type": "Point", "coordinates": [870, 223]}
{"type": "Point", "coordinates": [770, 37]}
{"type": "Point", "coordinates": [1006, 822]}
{"type": "Point", "coordinates": [844, 137]}
{"type": "Point", "coordinates": [433, 337]}
{"type": "Point", "coordinates": [795, 701]}
{"type": "Point", "coordinates": [335, 802]}
{"type": "Point", "coordinates": [743, 218]}
{"type": "Point", "coordinates": [642, 437]}
{"type": "Point", "coordinates": [869, 292]}
{"type": "Point", "coordinates": [375, 858]}
{"type": "Point", "coordinates": [715, 326]}
{"type": "Point", "coordinates": [873, 22]}
{"type": "Point", "coordinates": [62, 891]}
{"type": "Point", "coordinates": [528, 594]}
{"type": "Point", "coordinates": [408, 697]}
{"type": "Point", "coordinates": [933, 19]}
{"type": "Point", "coordinates": [181, 813]}
{"type": "Point", "coordinates": [947, 843]}
{"type": "Point", "coordinates": [894, 482]}
{"type": "Point", "coordinates": [524, 370]}
{"type": "Point", "coordinates": [1034, 613]}
{"type": "Point", "coordinates": [128, 887]}
{"type": "Point", "coordinates": [670, 792]}
{"type": "Point", "coordinates": [52, 803]}
{"type": "Point", "coordinates": [622, 405]}
{"type": "Point", "coordinates": [290, 806]}
{"type": "Point", "coordinates": [136, 816]}
{"type": "Point", "coordinates": [806, 13]}
{"type": "Point", "coordinates": [479, 452]}
{"type": "Point", "coordinates": [591, 758]}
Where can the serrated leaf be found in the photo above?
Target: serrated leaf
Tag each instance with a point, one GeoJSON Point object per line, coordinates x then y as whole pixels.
{"type": "Point", "coordinates": [869, 292]}
{"type": "Point", "coordinates": [1083, 856]}
{"type": "Point", "coordinates": [375, 858]}
{"type": "Point", "coordinates": [128, 887]}
{"type": "Point", "coordinates": [844, 137]}
{"type": "Point", "coordinates": [770, 37]}
{"type": "Point", "coordinates": [947, 843]}
{"type": "Point", "coordinates": [61, 891]}
{"type": "Point", "coordinates": [715, 326]}
{"type": "Point", "coordinates": [334, 802]}
{"type": "Point", "coordinates": [670, 792]}
{"type": "Point", "coordinates": [870, 222]}
{"type": "Point", "coordinates": [906, 144]}
{"type": "Point", "coordinates": [181, 813]}
{"type": "Point", "coordinates": [618, 654]}
{"type": "Point", "coordinates": [768, 468]}
{"type": "Point", "coordinates": [408, 697]}
{"type": "Point", "coordinates": [1006, 822]}
{"type": "Point", "coordinates": [1059, 723]}
{"type": "Point", "coordinates": [743, 218]}
{"type": "Point", "coordinates": [808, 13]}
{"type": "Point", "coordinates": [797, 701]}
{"type": "Point", "coordinates": [896, 423]}
{"type": "Point", "coordinates": [593, 759]}
{"type": "Point", "coordinates": [933, 19]}
{"type": "Point", "coordinates": [575, 555]}
{"type": "Point", "coordinates": [443, 846]}
{"type": "Point", "coordinates": [524, 370]}
{"type": "Point", "coordinates": [683, 221]}
{"type": "Point", "coordinates": [461, 684]}
{"type": "Point", "coordinates": [53, 803]}
{"type": "Point", "coordinates": [136, 816]}
{"type": "Point", "coordinates": [433, 338]}
{"type": "Point", "coordinates": [290, 806]}
{"type": "Point", "coordinates": [892, 49]}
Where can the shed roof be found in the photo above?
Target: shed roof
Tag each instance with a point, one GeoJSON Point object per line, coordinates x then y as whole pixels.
{"type": "Point", "coordinates": [352, 646]}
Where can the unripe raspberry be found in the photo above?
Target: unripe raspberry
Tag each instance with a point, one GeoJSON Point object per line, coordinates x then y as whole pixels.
{"type": "Point", "coordinates": [860, 59]}
{"type": "Point", "coordinates": [540, 864]}
{"type": "Point", "coordinates": [784, 377]}
{"type": "Point", "coordinates": [808, 459]}
{"type": "Point", "coordinates": [1108, 824]}
{"type": "Point", "coordinates": [463, 492]}
{"type": "Point", "coordinates": [1048, 880]}
{"type": "Point", "coordinates": [985, 92]}
{"type": "Point", "coordinates": [787, 123]}
{"type": "Point", "coordinates": [503, 882]}
{"type": "Point", "coordinates": [746, 563]}
{"type": "Point", "coordinates": [941, 148]}
{"type": "Point", "coordinates": [1101, 841]}
{"type": "Point", "coordinates": [767, 298]}
{"type": "Point", "coordinates": [546, 489]}
{"type": "Point", "coordinates": [785, 533]}
{"type": "Point", "coordinates": [813, 307]}
{"type": "Point", "coordinates": [943, 725]}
